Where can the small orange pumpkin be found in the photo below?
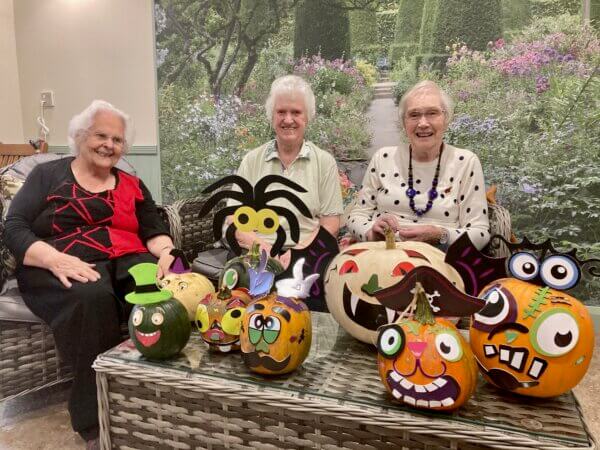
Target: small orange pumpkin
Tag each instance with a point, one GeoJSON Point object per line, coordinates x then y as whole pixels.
{"type": "Point", "coordinates": [425, 362]}
{"type": "Point", "coordinates": [219, 318]}
{"type": "Point", "coordinates": [276, 334]}
{"type": "Point", "coordinates": [530, 339]}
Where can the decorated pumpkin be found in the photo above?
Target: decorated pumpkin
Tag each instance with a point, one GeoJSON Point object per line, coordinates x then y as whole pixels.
{"type": "Point", "coordinates": [187, 287]}
{"type": "Point", "coordinates": [158, 324]}
{"type": "Point", "coordinates": [219, 318]}
{"type": "Point", "coordinates": [235, 273]}
{"type": "Point", "coordinates": [532, 339]}
{"type": "Point", "coordinates": [354, 275]}
{"type": "Point", "coordinates": [424, 361]}
{"type": "Point", "coordinates": [277, 329]}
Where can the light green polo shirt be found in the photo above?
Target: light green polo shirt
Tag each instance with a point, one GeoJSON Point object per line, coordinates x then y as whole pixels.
{"type": "Point", "coordinates": [314, 169]}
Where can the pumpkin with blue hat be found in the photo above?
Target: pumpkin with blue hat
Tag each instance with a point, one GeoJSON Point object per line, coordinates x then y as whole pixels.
{"type": "Point", "coordinates": [158, 324]}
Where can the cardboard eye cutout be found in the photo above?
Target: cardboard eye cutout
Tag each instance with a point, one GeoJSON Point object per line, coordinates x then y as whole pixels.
{"type": "Point", "coordinates": [255, 212]}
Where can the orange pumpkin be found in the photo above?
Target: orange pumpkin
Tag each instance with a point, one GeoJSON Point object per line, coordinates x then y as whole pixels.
{"type": "Point", "coordinates": [359, 313]}
{"type": "Point", "coordinates": [219, 318]}
{"type": "Point", "coordinates": [425, 362]}
{"type": "Point", "coordinates": [530, 339]}
{"type": "Point", "coordinates": [276, 334]}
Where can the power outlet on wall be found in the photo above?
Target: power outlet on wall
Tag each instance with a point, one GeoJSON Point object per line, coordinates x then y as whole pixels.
{"type": "Point", "coordinates": [47, 98]}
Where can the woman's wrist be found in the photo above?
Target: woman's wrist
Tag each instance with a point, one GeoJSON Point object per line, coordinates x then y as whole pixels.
{"type": "Point", "coordinates": [166, 248]}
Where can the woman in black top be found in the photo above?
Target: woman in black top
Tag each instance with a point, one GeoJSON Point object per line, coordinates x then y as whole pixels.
{"type": "Point", "coordinates": [75, 228]}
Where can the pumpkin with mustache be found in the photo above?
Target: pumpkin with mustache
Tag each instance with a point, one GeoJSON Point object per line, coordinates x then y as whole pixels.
{"type": "Point", "coordinates": [424, 362]}
{"type": "Point", "coordinates": [361, 269]}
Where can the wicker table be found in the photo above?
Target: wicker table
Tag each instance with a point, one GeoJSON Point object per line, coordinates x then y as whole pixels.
{"type": "Point", "coordinates": [335, 400]}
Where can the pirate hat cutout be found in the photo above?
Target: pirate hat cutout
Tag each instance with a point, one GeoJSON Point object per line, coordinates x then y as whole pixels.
{"type": "Point", "coordinates": [146, 289]}
{"type": "Point", "coordinates": [180, 264]}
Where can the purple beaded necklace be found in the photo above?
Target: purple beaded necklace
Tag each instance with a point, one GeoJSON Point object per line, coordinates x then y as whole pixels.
{"type": "Point", "coordinates": [432, 193]}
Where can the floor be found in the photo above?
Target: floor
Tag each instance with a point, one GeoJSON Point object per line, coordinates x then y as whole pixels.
{"type": "Point", "coordinates": [41, 421]}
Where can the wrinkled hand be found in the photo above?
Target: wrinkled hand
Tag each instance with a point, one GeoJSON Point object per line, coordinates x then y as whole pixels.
{"type": "Point", "coordinates": [377, 231]}
{"type": "Point", "coordinates": [422, 233]}
{"type": "Point", "coordinates": [164, 263]}
{"type": "Point", "coordinates": [65, 266]}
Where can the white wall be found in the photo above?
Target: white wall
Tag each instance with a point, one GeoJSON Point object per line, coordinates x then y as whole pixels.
{"type": "Point", "coordinates": [82, 50]}
{"type": "Point", "coordinates": [11, 127]}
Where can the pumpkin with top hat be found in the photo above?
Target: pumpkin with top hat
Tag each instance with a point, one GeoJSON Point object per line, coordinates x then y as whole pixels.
{"type": "Point", "coordinates": [158, 324]}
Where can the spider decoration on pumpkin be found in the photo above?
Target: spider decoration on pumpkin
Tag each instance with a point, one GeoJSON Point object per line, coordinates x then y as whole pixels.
{"type": "Point", "coordinates": [530, 337]}
{"type": "Point", "coordinates": [255, 213]}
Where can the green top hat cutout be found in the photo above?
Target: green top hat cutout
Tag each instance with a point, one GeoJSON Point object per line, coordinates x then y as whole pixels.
{"type": "Point", "coordinates": [146, 289]}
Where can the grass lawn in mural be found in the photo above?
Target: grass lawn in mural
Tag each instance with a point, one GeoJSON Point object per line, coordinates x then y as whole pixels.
{"type": "Point", "coordinates": [528, 105]}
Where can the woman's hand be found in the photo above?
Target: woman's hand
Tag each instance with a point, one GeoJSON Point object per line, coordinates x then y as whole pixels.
{"type": "Point", "coordinates": [165, 259]}
{"type": "Point", "coordinates": [161, 246]}
{"type": "Point", "coordinates": [422, 233]}
{"type": "Point", "coordinates": [65, 266]}
{"type": "Point", "coordinates": [377, 231]}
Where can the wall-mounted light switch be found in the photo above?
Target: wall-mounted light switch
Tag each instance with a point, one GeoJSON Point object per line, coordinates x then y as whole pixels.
{"type": "Point", "coordinates": [47, 98]}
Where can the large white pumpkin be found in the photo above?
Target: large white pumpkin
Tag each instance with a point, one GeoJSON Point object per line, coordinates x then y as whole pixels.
{"type": "Point", "coordinates": [365, 263]}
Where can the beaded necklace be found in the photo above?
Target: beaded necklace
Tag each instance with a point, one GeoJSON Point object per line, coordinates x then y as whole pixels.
{"type": "Point", "coordinates": [432, 193]}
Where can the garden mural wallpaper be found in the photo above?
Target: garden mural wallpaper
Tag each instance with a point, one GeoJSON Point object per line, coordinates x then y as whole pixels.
{"type": "Point", "coordinates": [524, 75]}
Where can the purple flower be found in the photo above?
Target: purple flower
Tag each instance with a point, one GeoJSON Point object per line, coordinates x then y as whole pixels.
{"type": "Point", "coordinates": [528, 188]}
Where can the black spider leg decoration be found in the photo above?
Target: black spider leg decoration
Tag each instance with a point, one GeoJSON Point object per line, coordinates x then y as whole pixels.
{"type": "Point", "coordinates": [278, 244]}
{"type": "Point", "coordinates": [231, 240]}
{"type": "Point", "coordinates": [292, 221]}
{"type": "Point", "coordinates": [289, 196]}
{"type": "Point", "coordinates": [266, 181]}
{"type": "Point", "coordinates": [219, 218]}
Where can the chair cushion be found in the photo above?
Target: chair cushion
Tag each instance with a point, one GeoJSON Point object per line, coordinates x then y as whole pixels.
{"type": "Point", "coordinates": [12, 307]}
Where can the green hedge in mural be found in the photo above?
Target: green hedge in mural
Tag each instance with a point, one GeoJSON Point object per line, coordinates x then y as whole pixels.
{"type": "Point", "coordinates": [595, 14]}
{"type": "Point", "coordinates": [386, 24]}
{"type": "Point", "coordinates": [546, 8]}
{"type": "Point", "coordinates": [408, 28]}
{"type": "Point", "coordinates": [321, 29]}
{"type": "Point", "coordinates": [516, 14]}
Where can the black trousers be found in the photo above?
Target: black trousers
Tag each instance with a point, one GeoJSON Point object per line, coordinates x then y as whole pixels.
{"type": "Point", "coordinates": [85, 320]}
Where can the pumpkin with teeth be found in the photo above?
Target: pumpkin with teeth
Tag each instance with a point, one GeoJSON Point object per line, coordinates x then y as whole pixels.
{"type": "Point", "coordinates": [425, 362]}
{"type": "Point", "coordinates": [276, 334]}
{"type": "Point", "coordinates": [530, 339]}
{"type": "Point", "coordinates": [360, 265]}
{"type": "Point", "coordinates": [159, 330]}
{"type": "Point", "coordinates": [219, 318]}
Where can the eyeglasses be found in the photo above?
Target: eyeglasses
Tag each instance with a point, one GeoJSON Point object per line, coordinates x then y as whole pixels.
{"type": "Point", "coordinates": [430, 115]}
{"type": "Point", "coordinates": [103, 137]}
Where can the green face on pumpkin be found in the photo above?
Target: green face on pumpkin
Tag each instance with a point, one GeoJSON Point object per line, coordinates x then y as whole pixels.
{"type": "Point", "coordinates": [159, 330]}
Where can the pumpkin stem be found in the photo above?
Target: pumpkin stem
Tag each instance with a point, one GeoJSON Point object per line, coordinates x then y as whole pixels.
{"type": "Point", "coordinates": [424, 314]}
{"type": "Point", "coordinates": [224, 293]}
{"type": "Point", "coordinates": [254, 254]}
{"type": "Point", "coordinates": [390, 239]}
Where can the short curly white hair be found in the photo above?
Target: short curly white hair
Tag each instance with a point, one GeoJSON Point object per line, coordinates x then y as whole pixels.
{"type": "Point", "coordinates": [291, 85]}
{"type": "Point", "coordinates": [82, 122]}
{"type": "Point", "coordinates": [427, 86]}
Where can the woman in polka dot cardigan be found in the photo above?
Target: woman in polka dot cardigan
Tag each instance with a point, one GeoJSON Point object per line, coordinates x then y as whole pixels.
{"type": "Point", "coordinates": [425, 190]}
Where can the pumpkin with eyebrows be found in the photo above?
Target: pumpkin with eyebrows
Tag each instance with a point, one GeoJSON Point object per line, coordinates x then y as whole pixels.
{"type": "Point", "coordinates": [363, 268]}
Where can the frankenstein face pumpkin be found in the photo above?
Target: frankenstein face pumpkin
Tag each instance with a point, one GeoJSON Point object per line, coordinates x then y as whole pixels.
{"type": "Point", "coordinates": [219, 319]}
{"type": "Point", "coordinates": [425, 363]}
{"type": "Point", "coordinates": [189, 288]}
{"type": "Point", "coordinates": [276, 334]}
{"type": "Point", "coordinates": [530, 339]}
{"type": "Point", "coordinates": [355, 274]}
{"type": "Point", "coordinates": [159, 330]}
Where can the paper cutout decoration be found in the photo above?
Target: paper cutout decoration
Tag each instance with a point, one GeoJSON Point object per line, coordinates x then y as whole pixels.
{"type": "Point", "coordinates": [219, 319]}
{"type": "Point", "coordinates": [158, 324]}
{"type": "Point", "coordinates": [261, 280]}
{"type": "Point", "coordinates": [424, 362]}
{"type": "Point", "coordinates": [364, 288]}
{"type": "Point", "coordinates": [255, 212]}
{"type": "Point", "coordinates": [530, 338]}
{"type": "Point", "coordinates": [186, 286]}
{"type": "Point", "coordinates": [317, 256]}
{"type": "Point", "coordinates": [235, 273]}
{"type": "Point", "coordinates": [298, 286]}
{"type": "Point", "coordinates": [277, 329]}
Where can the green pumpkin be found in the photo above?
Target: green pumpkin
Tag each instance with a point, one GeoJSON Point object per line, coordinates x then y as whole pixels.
{"type": "Point", "coordinates": [235, 273]}
{"type": "Point", "coordinates": [159, 330]}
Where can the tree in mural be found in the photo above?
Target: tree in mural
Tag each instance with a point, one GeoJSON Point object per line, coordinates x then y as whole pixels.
{"type": "Point", "coordinates": [218, 38]}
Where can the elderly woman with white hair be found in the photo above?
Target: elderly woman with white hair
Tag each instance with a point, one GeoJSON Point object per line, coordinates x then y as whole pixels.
{"type": "Point", "coordinates": [75, 227]}
{"type": "Point", "coordinates": [290, 106]}
{"type": "Point", "coordinates": [424, 190]}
